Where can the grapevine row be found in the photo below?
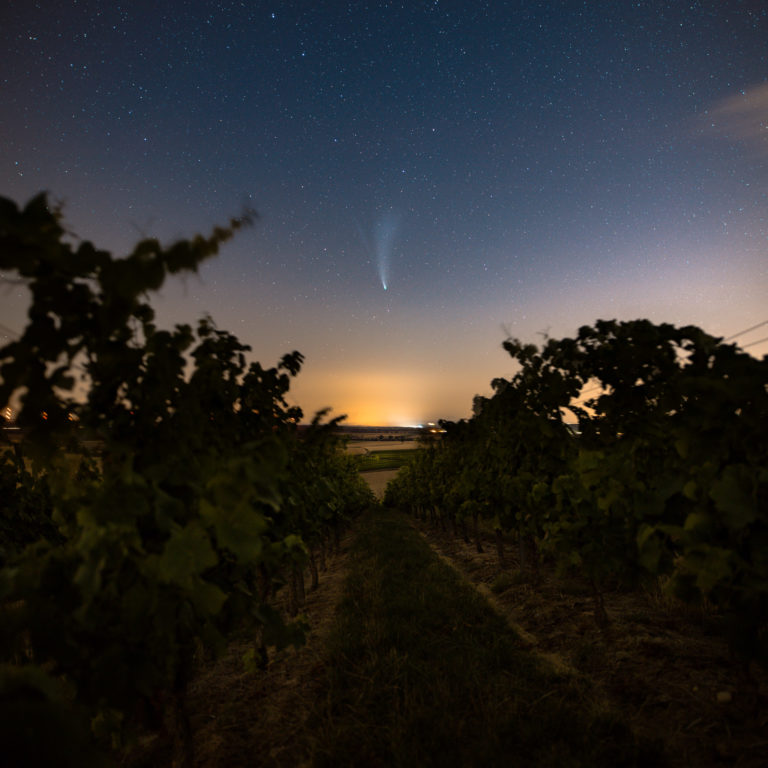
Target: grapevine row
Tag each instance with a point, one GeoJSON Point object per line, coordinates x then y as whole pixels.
{"type": "Point", "coordinates": [119, 570]}
{"type": "Point", "coordinates": [666, 474]}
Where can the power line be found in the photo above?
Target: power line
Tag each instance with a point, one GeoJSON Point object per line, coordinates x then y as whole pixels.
{"type": "Point", "coordinates": [752, 343]}
{"type": "Point", "coordinates": [747, 330]}
{"type": "Point", "coordinates": [582, 394]}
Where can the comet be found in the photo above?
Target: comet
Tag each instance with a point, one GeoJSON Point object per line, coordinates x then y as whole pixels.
{"type": "Point", "coordinates": [379, 243]}
{"type": "Point", "coordinates": [384, 234]}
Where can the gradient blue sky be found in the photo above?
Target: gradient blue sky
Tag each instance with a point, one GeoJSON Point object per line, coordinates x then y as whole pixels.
{"type": "Point", "coordinates": [507, 168]}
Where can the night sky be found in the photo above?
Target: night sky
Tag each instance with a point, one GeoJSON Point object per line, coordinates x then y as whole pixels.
{"type": "Point", "coordinates": [430, 177]}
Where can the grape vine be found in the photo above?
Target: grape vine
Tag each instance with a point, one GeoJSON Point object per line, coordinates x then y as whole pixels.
{"type": "Point", "coordinates": [667, 474]}
{"type": "Point", "coordinates": [203, 501]}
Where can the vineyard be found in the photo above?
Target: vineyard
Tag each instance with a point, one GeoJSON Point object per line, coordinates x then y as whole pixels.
{"type": "Point", "coordinates": [122, 571]}
{"type": "Point", "coordinates": [374, 460]}
{"type": "Point", "coordinates": [631, 459]}
{"type": "Point", "coordinates": [666, 476]}
{"type": "Point", "coordinates": [659, 496]}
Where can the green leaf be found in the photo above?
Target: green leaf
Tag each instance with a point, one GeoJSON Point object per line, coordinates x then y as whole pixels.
{"type": "Point", "coordinates": [187, 553]}
{"type": "Point", "coordinates": [690, 489]}
{"type": "Point", "coordinates": [696, 520]}
{"type": "Point", "coordinates": [207, 598]}
{"type": "Point", "coordinates": [733, 494]}
{"type": "Point", "coordinates": [682, 447]}
{"type": "Point", "coordinates": [711, 566]}
{"type": "Point", "coordinates": [294, 543]}
{"type": "Point", "coordinates": [88, 576]}
{"type": "Point", "coordinates": [239, 528]}
{"type": "Point", "coordinates": [650, 553]}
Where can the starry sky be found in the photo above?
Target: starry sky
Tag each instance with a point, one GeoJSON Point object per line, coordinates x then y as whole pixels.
{"type": "Point", "coordinates": [430, 176]}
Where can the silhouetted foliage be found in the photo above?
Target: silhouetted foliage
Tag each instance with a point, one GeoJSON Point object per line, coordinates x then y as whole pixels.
{"type": "Point", "coordinates": [668, 474]}
{"type": "Point", "coordinates": [203, 501]}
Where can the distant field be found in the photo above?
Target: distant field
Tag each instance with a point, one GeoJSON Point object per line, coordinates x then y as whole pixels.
{"type": "Point", "coordinates": [378, 480]}
{"type": "Point", "coordinates": [384, 459]}
{"type": "Point", "coordinates": [365, 446]}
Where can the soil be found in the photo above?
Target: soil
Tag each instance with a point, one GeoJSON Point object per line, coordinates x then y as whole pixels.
{"type": "Point", "coordinates": [265, 717]}
{"type": "Point", "coordinates": [378, 479]}
{"type": "Point", "coordinates": [659, 663]}
{"type": "Point", "coordinates": [262, 718]}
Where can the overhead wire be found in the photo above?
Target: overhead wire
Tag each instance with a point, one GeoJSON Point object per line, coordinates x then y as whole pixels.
{"type": "Point", "coordinates": [752, 343]}
{"type": "Point", "coordinates": [747, 330]}
{"type": "Point", "coordinates": [582, 394]}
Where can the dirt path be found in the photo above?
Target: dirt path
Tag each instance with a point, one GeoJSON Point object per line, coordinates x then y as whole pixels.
{"type": "Point", "coordinates": [423, 672]}
{"type": "Point", "coordinates": [242, 719]}
{"type": "Point", "coordinates": [661, 663]}
{"type": "Point", "coordinates": [662, 666]}
{"type": "Point", "coordinates": [378, 480]}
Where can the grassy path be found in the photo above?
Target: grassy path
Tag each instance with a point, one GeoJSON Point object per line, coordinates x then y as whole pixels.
{"type": "Point", "coordinates": [422, 672]}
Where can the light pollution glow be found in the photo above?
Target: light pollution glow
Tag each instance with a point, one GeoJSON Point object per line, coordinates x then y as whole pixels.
{"type": "Point", "coordinates": [371, 397]}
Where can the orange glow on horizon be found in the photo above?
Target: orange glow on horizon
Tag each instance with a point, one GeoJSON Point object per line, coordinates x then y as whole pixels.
{"type": "Point", "coordinates": [395, 398]}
